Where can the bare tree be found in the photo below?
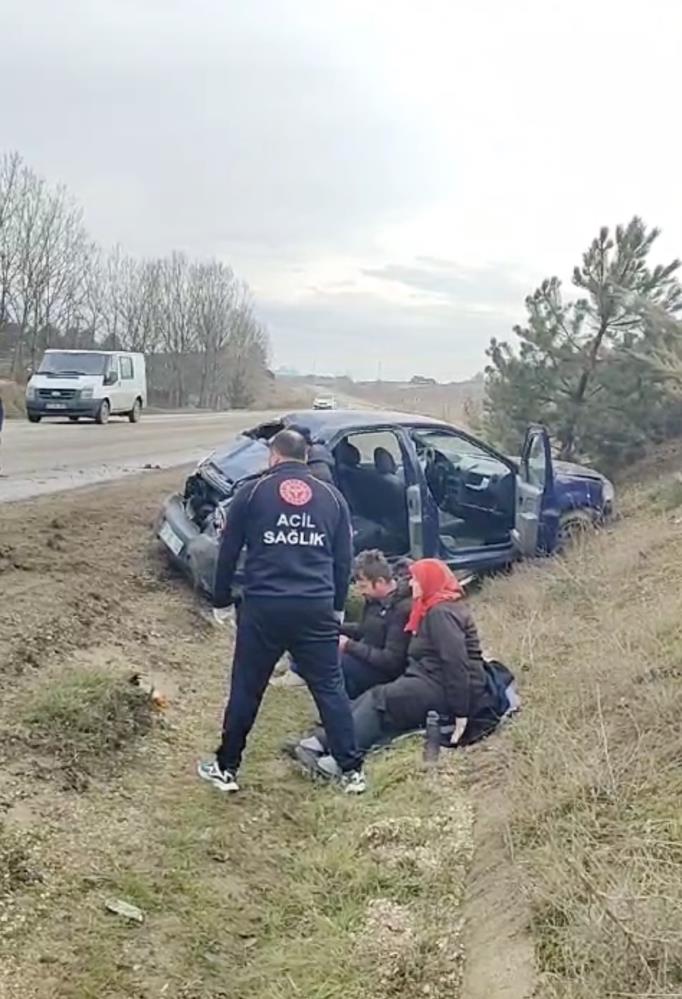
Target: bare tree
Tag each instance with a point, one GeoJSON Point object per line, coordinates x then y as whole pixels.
{"type": "Point", "coordinates": [193, 319]}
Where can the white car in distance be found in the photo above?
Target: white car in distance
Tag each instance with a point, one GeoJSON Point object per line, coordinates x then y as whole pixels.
{"type": "Point", "coordinates": [324, 402]}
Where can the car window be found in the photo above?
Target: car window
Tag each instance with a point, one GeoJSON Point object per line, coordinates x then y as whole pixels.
{"type": "Point", "coordinates": [456, 449]}
{"type": "Point", "coordinates": [126, 367]}
{"type": "Point", "coordinates": [369, 441]}
{"type": "Point", "coordinates": [536, 466]}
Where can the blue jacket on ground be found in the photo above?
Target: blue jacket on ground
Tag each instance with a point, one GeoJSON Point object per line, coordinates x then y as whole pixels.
{"type": "Point", "coordinates": [298, 538]}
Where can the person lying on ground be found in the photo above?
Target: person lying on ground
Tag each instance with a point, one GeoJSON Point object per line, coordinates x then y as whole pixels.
{"type": "Point", "coordinates": [374, 650]}
{"type": "Point", "coordinates": [446, 673]}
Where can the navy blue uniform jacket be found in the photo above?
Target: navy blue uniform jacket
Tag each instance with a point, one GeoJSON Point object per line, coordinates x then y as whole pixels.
{"type": "Point", "coordinates": [298, 538]}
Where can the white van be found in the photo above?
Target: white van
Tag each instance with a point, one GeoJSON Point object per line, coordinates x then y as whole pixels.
{"type": "Point", "coordinates": [92, 383]}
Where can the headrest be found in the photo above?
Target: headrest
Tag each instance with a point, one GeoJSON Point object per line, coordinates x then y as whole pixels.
{"type": "Point", "coordinates": [347, 454]}
{"type": "Point", "coordinates": [384, 461]}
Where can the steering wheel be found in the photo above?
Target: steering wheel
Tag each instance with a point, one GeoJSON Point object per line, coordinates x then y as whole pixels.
{"type": "Point", "coordinates": [436, 475]}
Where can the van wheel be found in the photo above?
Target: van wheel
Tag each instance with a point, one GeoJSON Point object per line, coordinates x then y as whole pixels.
{"type": "Point", "coordinates": [572, 527]}
{"type": "Point", "coordinates": [103, 412]}
{"type": "Point", "coordinates": [32, 418]}
{"type": "Point", "coordinates": [136, 412]}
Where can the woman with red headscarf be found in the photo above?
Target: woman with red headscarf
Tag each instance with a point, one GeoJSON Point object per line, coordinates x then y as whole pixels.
{"type": "Point", "coordinates": [445, 673]}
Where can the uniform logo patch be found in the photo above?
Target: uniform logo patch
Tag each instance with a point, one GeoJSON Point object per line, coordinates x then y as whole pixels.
{"type": "Point", "coordinates": [295, 492]}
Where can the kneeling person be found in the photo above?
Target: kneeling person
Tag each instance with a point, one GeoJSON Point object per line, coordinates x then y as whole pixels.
{"type": "Point", "coordinates": [374, 651]}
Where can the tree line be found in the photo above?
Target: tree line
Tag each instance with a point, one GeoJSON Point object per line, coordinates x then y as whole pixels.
{"type": "Point", "coordinates": [194, 319]}
{"type": "Point", "coordinates": [603, 369]}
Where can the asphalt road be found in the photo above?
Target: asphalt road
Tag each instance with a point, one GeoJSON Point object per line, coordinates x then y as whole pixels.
{"type": "Point", "coordinates": [53, 456]}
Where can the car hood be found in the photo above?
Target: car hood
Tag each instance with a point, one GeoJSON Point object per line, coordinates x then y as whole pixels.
{"type": "Point", "coordinates": [49, 381]}
{"type": "Point", "coordinates": [241, 459]}
{"type": "Point", "coordinates": [581, 471]}
{"type": "Point", "coordinates": [568, 469]}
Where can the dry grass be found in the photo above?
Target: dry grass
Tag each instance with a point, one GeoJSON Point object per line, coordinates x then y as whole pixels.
{"type": "Point", "coordinates": [457, 403]}
{"type": "Point", "coordinates": [594, 761]}
{"type": "Point", "coordinates": [13, 398]}
{"type": "Point", "coordinates": [281, 396]}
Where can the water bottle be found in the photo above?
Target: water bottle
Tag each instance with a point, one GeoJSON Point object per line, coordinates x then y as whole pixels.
{"type": "Point", "coordinates": [432, 739]}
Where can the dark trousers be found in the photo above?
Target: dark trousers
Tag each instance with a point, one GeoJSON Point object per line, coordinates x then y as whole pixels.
{"type": "Point", "coordinates": [383, 713]}
{"type": "Point", "coordinates": [359, 676]}
{"type": "Point", "coordinates": [309, 632]}
{"type": "Point", "coordinates": [373, 727]}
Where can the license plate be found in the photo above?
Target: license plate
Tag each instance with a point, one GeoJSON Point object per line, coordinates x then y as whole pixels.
{"type": "Point", "coordinates": [56, 405]}
{"type": "Point", "coordinates": [170, 538]}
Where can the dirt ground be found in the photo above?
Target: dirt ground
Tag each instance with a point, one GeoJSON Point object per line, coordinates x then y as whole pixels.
{"type": "Point", "coordinates": [262, 897]}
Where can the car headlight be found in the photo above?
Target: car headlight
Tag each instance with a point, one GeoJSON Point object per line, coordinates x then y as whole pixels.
{"type": "Point", "coordinates": [86, 393]}
{"type": "Point", "coordinates": [30, 392]}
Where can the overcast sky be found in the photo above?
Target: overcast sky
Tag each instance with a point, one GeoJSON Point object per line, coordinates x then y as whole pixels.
{"type": "Point", "coordinates": [390, 178]}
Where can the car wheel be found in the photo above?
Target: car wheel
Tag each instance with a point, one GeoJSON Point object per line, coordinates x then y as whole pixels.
{"type": "Point", "coordinates": [573, 527]}
{"type": "Point", "coordinates": [103, 412]}
{"type": "Point", "coordinates": [32, 418]}
{"type": "Point", "coordinates": [136, 412]}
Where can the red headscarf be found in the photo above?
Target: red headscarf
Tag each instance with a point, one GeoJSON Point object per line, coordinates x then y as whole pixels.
{"type": "Point", "coordinates": [438, 584]}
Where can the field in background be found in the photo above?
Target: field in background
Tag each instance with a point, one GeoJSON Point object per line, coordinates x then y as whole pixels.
{"type": "Point", "coordinates": [456, 403]}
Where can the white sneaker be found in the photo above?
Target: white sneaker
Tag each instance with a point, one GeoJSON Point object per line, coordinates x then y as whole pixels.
{"type": "Point", "coordinates": [223, 780]}
{"type": "Point", "coordinates": [313, 744]}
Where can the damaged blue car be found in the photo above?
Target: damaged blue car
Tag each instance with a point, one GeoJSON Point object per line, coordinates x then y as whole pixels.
{"type": "Point", "coordinates": [415, 486]}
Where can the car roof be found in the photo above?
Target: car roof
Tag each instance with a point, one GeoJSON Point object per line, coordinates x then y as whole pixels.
{"type": "Point", "coordinates": [323, 424]}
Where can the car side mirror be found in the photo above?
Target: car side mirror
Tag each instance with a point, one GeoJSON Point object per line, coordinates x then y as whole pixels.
{"type": "Point", "coordinates": [110, 378]}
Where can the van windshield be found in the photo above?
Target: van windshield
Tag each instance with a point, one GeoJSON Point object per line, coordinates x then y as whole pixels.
{"type": "Point", "coordinates": [64, 362]}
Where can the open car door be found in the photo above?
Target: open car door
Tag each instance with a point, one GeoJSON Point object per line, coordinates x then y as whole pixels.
{"type": "Point", "coordinates": [533, 485]}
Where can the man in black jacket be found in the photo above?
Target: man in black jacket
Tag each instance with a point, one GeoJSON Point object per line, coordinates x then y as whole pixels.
{"type": "Point", "coordinates": [297, 534]}
{"type": "Point", "coordinates": [374, 651]}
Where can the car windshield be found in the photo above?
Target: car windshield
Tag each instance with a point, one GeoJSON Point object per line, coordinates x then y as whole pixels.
{"type": "Point", "coordinates": [240, 459]}
{"type": "Point", "coordinates": [71, 363]}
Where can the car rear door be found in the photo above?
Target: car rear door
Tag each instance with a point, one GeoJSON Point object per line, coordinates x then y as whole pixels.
{"type": "Point", "coordinates": [534, 486]}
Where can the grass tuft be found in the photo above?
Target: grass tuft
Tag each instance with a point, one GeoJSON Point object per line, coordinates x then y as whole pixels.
{"type": "Point", "coordinates": [84, 718]}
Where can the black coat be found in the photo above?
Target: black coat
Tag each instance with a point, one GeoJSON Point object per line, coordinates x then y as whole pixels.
{"type": "Point", "coordinates": [380, 639]}
{"type": "Point", "coordinates": [445, 671]}
{"type": "Point", "coordinates": [298, 539]}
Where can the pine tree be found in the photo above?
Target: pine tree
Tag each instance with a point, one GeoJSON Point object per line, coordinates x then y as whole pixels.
{"type": "Point", "coordinates": [578, 367]}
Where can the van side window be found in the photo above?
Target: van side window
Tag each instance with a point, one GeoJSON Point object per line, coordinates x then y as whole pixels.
{"type": "Point", "coordinates": [126, 368]}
